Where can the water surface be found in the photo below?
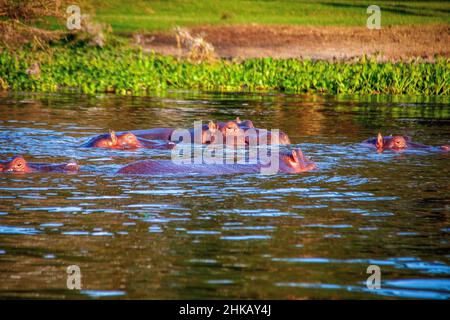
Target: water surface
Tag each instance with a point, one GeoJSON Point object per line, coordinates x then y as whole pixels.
{"type": "Point", "coordinates": [311, 235]}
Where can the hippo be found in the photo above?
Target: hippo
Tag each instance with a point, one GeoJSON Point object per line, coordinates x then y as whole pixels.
{"type": "Point", "coordinates": [163, 134]}
{"type": "Point", "coordinates": [157, 138]}
{"type": "Point", "coordinates": [210, 131]}
{"type": "Point", "coordinates": [19, 165]}
{"type": "Point", "coordinates": [243, 124]}
{"type": "Point", "coordinates": [398, 143]}
{"type": "Point", "coordinates": [125, 140]}
{"type": "Point", "coordinates": [289, 162]}
{"type": "Point", "coordinates": [207, 136]}
{"type": "Point", "coordinates": [148, 138]}
{"type": "Point", "coordinates": [247, 129]}
{"type": "Point", "coordinates": [283, 138]}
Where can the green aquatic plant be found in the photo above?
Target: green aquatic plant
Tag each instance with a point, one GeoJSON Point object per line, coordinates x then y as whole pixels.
{"type": "Point", "coordinates": [124, 71]}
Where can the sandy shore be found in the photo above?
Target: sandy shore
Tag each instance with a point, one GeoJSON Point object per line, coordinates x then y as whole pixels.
{"type": "Point", "coordinates": [327, 43]}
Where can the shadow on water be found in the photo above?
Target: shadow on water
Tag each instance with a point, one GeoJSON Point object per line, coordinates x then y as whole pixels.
{"type": "Point", "coordinates": [311, 235]}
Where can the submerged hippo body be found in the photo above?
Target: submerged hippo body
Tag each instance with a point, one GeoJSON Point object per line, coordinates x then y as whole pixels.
{"type": "Point", "coordinates": [163, 134]}
{"type": "Point", "coordinates": [398, 143]}
{"type": "Point", "coordinates": [293, 162]}
{"type": "Point", "coordinates": [125, 140]}
{"type": "Point", "coordinates": [20, 165]}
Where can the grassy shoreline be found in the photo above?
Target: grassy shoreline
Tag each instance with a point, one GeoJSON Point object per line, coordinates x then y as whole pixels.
{"type": "Point", "coordinates": [151, 15]}
{"type": "Point", "coordinates": [127, 71]}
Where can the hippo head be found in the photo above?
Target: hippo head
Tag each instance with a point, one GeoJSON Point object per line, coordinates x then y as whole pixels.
{"type": "Point", "coordinates": [128, 140]}
{"type": "Point", "coordinates": [244, 123]}
{"type": "Point", "coordinates": [209, 133]}
{"type": "Point", "coordinates": [295, 162]}
{"type": "Point", "coordinates": [229, 128]}
{"type": "Point", "coordinates": [234, 125]}
{"type": "Point", "coordinates": [397, 143]}
{"type": "Point", "coordinates": [123, 141]}
{"type": "Point", "coordinates": [17, 164]}
{"type": "Point", "coordinates": [393, 143]}
{"type": "Point", "coordinates": [233, 133]}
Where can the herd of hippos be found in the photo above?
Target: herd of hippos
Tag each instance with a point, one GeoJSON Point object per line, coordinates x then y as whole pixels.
{"type": "Point", "coordinates": [161, 138]}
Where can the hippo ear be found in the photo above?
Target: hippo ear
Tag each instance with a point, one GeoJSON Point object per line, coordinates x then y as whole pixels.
{"type": "Point", "coordinates": [72, 165]}
{"type": "Point", "coordinates": [113, 136]}
{"type": "Point", "coordinates": [294, 155]}
{"type": "Point", "coordinates": [379, 141]}
{"type": "Point", "coordinates": [72, 162]}
{"type": "Point", "coordinates": [212, 126]}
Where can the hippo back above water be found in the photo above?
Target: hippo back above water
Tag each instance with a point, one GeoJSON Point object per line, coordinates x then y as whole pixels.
{"type": "Point", "coordinates": [288, 162]}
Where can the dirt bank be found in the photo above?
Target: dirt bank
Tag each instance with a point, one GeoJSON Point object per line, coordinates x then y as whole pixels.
{"type": "Point", "coordinates": [329, 43]}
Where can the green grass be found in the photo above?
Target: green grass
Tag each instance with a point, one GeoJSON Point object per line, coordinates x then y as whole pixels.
{"type": "Point", "coordinates": [130, 71]}
{"type": "Point", "coordinates": [150, 15]}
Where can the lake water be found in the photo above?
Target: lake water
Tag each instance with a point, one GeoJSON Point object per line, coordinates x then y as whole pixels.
{"type": "Point", "coordinates": [311, 235]}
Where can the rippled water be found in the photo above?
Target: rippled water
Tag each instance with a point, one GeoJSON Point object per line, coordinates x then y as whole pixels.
{"type": "Point", "coordinates": [311, 235]}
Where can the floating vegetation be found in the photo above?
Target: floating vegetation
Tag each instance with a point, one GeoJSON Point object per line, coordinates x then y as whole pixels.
{"type": "Point", "coordinates": [124, 70]}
